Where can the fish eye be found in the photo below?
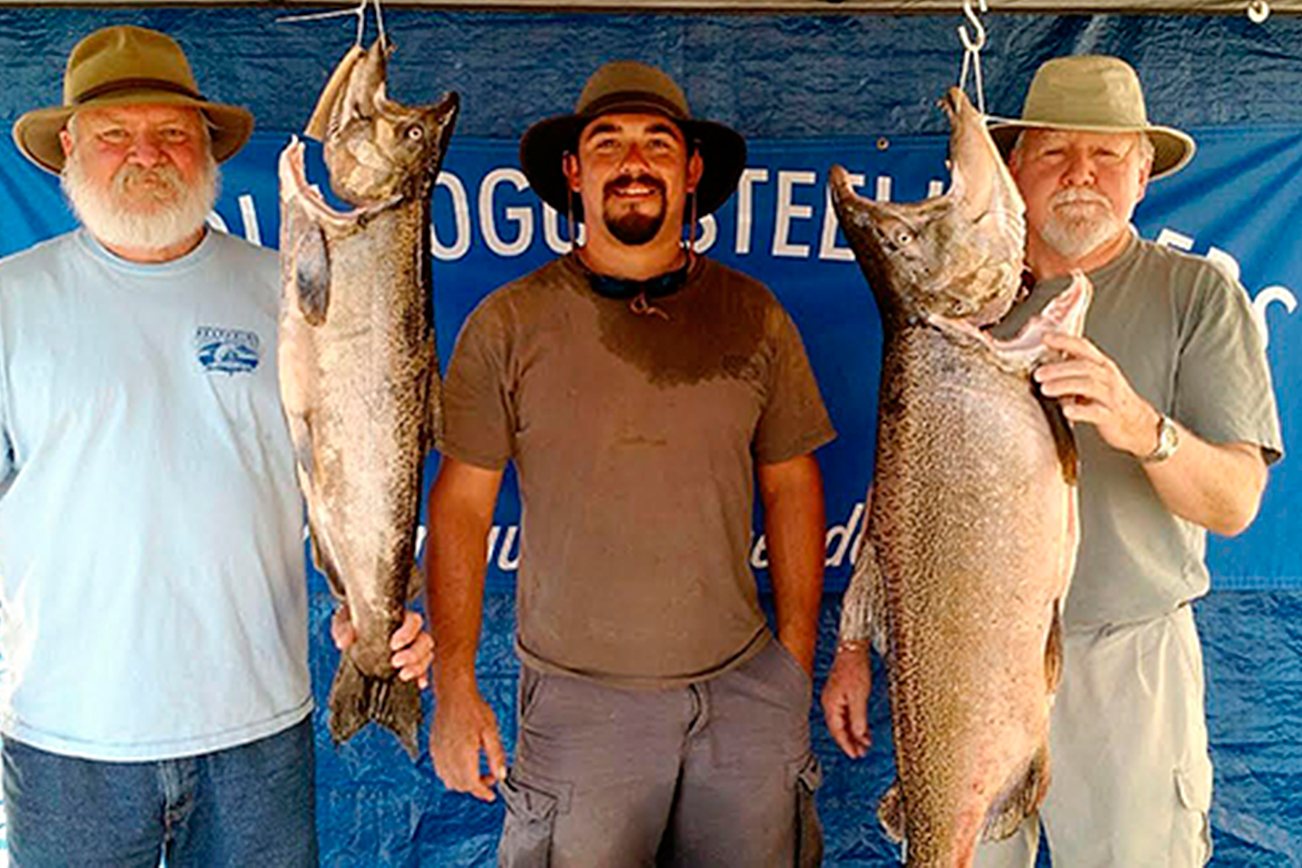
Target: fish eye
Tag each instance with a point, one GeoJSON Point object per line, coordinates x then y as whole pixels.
{"type": "Point", "coordinates": [903, 237]}
{"type": "Point", "coordinates": [415, 133]}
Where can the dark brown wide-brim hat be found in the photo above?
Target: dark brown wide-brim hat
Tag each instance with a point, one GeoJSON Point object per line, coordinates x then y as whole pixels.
{"type": "Point", "coordinates": [626, 86]}
{"type": "Point", "coordinates": [124, 65]}
{"type": "Point", "coordinates": [1094, 94]}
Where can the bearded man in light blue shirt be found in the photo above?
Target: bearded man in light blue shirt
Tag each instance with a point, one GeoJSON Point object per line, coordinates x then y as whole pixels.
{"type": "Point", "coordinates": [157, 701]}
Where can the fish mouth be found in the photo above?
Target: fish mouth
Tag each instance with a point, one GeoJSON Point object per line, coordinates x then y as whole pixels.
{"type": "Point", "coordinates": [1065, 314]}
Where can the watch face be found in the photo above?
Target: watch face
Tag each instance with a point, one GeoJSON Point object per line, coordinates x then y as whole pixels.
{"type": "Point", "coordinates": [1168, 438]}
{"type": "Point", "coordinates": [1169, 433]}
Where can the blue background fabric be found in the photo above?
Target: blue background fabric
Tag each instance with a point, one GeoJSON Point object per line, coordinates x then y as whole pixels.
{"type": "Point", "coordinates": [807, 91]}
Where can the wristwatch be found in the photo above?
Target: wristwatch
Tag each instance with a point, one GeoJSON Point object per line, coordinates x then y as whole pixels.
{"type": "Point", "coordinates": [1168, 440]}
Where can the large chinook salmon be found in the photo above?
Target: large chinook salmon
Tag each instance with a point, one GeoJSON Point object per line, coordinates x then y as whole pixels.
{"type": "Point", "coordinates": [972, 527]}
{"type": "Point", "coordinates": [359, 375]}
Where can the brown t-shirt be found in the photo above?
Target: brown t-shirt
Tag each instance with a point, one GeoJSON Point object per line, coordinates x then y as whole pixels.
{"type": "Point", "coordinates": [635, 437]}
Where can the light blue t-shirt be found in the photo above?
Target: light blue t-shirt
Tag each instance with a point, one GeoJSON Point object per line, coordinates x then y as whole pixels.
{"type": "Point", "coordinates": [153, 597]}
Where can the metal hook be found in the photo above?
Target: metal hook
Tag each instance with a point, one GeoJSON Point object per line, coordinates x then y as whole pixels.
{"type": "Point", "coordinates": [972, 51]}
{"type": "Point", "coordinates": [979, 42]}
{"type": "Point", "coordinates": [1258, 11]}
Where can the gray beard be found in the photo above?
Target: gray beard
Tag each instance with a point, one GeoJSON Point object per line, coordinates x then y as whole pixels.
{"type": "Point", "coordinates": [100, 210]}
{"type": "Point", "coordinates": [1079, 231]}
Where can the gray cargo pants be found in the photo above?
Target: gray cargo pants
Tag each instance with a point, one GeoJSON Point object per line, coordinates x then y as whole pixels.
{"type": "Point", "coordinates": [718, 773]}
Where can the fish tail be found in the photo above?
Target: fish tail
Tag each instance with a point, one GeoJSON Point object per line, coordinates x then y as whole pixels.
{"type": "Point", "coordinates": [357, 699]}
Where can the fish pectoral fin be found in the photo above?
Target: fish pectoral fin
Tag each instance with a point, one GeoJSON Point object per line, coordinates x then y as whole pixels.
{"type": "Point", "coordinates": [1053, 650]}
{"type": "Point", "coordinates": [1064, 439]}
{"type": "Point", "coordinates": [890, 813]}
{"type": "Point", "coordinates": [312, 274]}
{"type": "Point", "coordinates": [1020, 799]}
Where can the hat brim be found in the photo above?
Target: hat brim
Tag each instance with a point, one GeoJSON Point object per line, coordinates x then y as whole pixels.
{"type": "Point", "coordinates": [722, 149]}
{"type": "Point", "coordinates": [36, 133]}
{"type": "Point", "coordinates": [1172, 148]}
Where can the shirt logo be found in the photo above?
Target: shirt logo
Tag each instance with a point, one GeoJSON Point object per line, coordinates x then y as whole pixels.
{"type": "Point", "coordinates": [229, 351]}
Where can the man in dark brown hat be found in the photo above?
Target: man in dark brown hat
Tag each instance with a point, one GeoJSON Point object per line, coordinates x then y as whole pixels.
{"type": "Point", "coordinates": [1176, 424]}
{"type": "Point", "coordinates": [642, 391]}
{"type": "Point", "coordinates": [157, 702]}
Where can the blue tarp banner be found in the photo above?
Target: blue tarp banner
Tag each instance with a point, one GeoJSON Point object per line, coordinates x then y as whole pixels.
{"type": "Point", "coordinates": [808, 91]}
{"type": "Point", "coordinates": [1236, 204]}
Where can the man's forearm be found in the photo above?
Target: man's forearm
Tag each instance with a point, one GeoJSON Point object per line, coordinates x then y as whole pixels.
{"type": "Point", "coordinates": [1217, 486]}
{"type": "Point", "coordinates": [794, 522]}
{"type": "Point", "coordinates": [455, 566]}
{"type": "Point", "coordinates": [455, 557]}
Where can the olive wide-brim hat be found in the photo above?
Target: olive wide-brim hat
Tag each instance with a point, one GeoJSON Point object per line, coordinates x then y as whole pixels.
{"type": "Point", "coordinates": [124, 65]}
{"type": "Point", "coordinates": [1094, 94]}
{"type": "Point", "coordinates": [626, 86]}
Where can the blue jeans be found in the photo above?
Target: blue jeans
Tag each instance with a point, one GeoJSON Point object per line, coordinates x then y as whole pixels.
{"type": "Point", "coordinates": [246, 805]}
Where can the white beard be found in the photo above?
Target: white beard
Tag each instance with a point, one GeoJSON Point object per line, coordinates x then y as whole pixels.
{"type": "Point", "coordinates": [1079, 221]}
{"type": "Point", "coordinates": [178, 211]}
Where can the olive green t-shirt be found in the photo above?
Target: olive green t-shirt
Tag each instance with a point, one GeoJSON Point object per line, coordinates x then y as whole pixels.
{"type": "Point", "coordinates": [1184, 335]}
{"type": "Point", "coordinates": [634, 430]}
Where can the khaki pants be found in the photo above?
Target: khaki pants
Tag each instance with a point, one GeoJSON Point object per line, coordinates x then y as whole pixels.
{"type": "Point", "coordinates": [1132, 779]}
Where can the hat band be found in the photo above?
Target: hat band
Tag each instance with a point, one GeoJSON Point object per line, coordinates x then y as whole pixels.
{"type": "Point", "coordinates": [122, 84]}
{"type": "Point", "coordinates": [603, 105]}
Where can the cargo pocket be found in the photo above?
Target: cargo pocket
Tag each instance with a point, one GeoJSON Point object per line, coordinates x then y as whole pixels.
{"type": "Point", "coordinates": [530, 819]}
{"type": "Point", "coordinates": [809, 830]}
{"type": "Point", "coordinates": [1191, 837]}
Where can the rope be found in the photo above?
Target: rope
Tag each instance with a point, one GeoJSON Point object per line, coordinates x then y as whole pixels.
{"type": "Point", "coordinates": [359, 11]}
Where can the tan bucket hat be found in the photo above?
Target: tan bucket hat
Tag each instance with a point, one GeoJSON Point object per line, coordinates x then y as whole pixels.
{"type": "Point", "coordinates": [1097, 94]}
{"type": "Point", "coordinates": [629, 86]}
{"type": "Point", "coordinates": [124, 65]}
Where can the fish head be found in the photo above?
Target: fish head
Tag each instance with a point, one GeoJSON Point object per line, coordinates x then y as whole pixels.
{"type": "Point", "coordinates": [378, 149]}
{"type": "Point", "coordinates": [958, 255]}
